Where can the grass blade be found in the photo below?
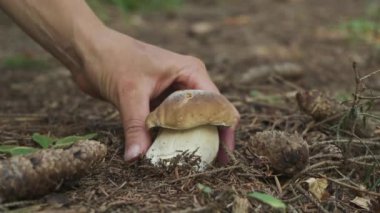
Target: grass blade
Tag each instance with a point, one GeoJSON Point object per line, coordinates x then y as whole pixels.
{"type": "Point", "coordinates": [268, 199]}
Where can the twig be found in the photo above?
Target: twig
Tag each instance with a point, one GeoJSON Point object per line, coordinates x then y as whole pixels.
{"type": "Point", "coordinates": [325, 168]}
{"type": "Point", "coordinates": [313, 200]}
{"type": "Point", "coordinates": [278, 184]}
{"type": "Point", "coordinates": [370, 115]}
{"type": "Point", "coordinates": [206, 173]}
{"type": "Point", "coordinates": [309, 168]}
{"type": "Point", "coordinates": [325, 156]}
{"type": "Point", "coordinates": [361, 163]}
{"type": "Point", "coordinates": [365, 157]}
{"type": "Point", "coordinates": [353, 141]}
{"type": "Point", "coordinates": [286, 82]}
{"type": "Point", "coordinates": [369, 97]}
{"type": "Point", "coordinates": [351, 187]}
{"type": "Point", "coordinates": [293, 199]}
{"type": "Point", "coordinates": [369, 75]}
{"type": "Point", "coordinates": [17, 204]}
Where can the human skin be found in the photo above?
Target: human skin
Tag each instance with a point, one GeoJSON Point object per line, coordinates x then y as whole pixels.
{"type": "Point", "coordinates": [132, 75]}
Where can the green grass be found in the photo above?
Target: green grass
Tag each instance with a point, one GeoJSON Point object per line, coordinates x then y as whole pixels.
{"type": "Point", "coordinates": [146, 5]}
{"type": "Point", "coordinates": [127, 7]}
{"type": "Point", "coordinates": [367, 27]}
{"type": "Point", "coordinates": [18, 62]}
{"type": "Point", "coordinates": [44, 142]}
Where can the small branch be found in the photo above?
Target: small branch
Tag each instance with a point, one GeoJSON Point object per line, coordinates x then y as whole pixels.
{"type": "Point", "coordinates": [325, 156]}
{"type": "Point", "coordinates": [309, 168]}
{"type": "Point", "coordinates": [351, 141]}
{"type": "Point", "coordinates": [370, 115]}
{"type": "Point", "coordinates": [351, 187]}
{"type": "Point", "coordinates": [366, 157]}
{"type": "Point", "coordinates": [369, 75]}
{"type": "Point", "coordinates": [369, 97]}
{"type": "Point", "coordinates": [313, 200]}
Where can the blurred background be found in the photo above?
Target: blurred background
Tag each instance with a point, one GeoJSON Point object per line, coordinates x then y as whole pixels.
{"type": "Point", "coordinates": [255, 51]}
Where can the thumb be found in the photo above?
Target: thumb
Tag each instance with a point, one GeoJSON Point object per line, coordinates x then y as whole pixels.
{"type": "Point", "coordinates": [134, 108]}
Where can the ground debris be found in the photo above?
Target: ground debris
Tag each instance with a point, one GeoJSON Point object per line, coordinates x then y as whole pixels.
{"type": "Point", "coordinates": [285, 70]}
{"type": "Point", "coordinates": [287, 153]}
{"type": "Point", "coordinates": [241, 205]}
{"type": "Point", "coordinates": [328, 110]}
{"type": "Point", "coordinates": [42, 172]}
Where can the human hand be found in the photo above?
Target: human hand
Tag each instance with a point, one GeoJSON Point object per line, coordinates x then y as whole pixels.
{"type": "Point", "coordinates": [136, 77]}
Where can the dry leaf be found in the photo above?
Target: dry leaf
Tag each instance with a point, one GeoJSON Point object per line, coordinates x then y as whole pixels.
{"type": "Point", "coordinates": [317, 187]}
{"type": "Point", "coordinates": [240, 205]}
{"type": "Point", "coordinates": [362, 202]}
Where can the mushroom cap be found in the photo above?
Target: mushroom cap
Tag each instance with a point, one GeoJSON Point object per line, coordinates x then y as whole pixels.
{"type": "Point", "coordinates": [186, 109]}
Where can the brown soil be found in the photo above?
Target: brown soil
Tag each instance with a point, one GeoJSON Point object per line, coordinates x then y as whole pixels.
{"type": "Point", "coordinates": [245, 34]}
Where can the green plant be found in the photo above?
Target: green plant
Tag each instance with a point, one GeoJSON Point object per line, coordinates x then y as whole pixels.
{"type": "Point", "coordinates": [367, 27]}
{"type": "Point", "coordinates": [144, 5]}
{"type": "Point", "coordinates": [131, 6]}
{"type": "Point", "coordinates": [205, 189]}
{"type": "Point", "coordinates": [24, 62]}
{"type": "Point", "coordinates": [44, 142]}
{"type": "Point", "coordinates": [269, 200]}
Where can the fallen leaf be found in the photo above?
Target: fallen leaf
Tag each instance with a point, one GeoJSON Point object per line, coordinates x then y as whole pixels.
{"type": "Point", "coordinates": [317, 187]}
{"type": "Point", "coordinates": [240, 205]}
{"type": "Point", "coordinates": [362, 202]}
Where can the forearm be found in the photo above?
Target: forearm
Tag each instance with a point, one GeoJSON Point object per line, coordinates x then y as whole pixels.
{"type": "Point", "coordinates": [60, 26]}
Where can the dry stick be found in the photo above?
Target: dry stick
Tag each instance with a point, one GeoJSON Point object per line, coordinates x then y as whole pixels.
{"type": "Point", "coordinates": [368, 149]}
{"type": "Point", "coordinates": [365, 157]}
{"type": "Point", "coordinates": [313, 200]}
{"type": "Point", "coordinates": [347, 177]}
{"type": "Point", "coordinates": [325, 168]}
{"type": "Point", "coordinates": [21, 117]}
{"type": "Point", "coordinates": [369, 97]}
{"type": "Point", "coordinates": [287, 83]}
{"type": "Point", "coordinates": [356, 142]}
{"type": "Point", "coordinates": [5, 206]}
{"type": "Point", "coordinates": [323, 163]}
{"type": "Point", "coordinates": [278, 184]}
{"type": "Point", "coordinates": [352, 187]}
{"type": "Point", "coordinates": [325, 156]}
{"type": "Point", "coordinates": [206, 173]}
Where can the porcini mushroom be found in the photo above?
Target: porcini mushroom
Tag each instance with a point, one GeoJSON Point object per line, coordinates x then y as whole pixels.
{"type": "Point", "coordinates": [188, 121]}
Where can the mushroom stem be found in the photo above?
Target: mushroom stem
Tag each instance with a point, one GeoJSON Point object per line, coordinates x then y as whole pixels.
{"type": "Point", "coordinates": [204, 140]}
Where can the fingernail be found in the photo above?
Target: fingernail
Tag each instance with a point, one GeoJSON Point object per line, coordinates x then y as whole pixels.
{"type": "Point", "coordinates": [132, 153]}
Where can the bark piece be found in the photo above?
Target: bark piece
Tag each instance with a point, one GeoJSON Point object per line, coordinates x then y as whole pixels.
{"type": "Point", "coordinates": [42, 172]}
{"type": "Point", "coordinates": [287, 153]}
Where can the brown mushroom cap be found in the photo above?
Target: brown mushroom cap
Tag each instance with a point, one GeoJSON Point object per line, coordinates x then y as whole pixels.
{"type": "Point", "coordinates": [186, 109]}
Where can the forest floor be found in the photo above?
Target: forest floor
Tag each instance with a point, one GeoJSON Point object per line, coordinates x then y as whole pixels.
{"type": "Point", "coordinates": [38, 96]}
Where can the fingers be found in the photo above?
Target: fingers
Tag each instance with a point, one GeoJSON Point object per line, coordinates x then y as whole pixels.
{"type": "Point", "coordinates": [134, 108]}
{"type": "Point", "coordinates": [195, 76]}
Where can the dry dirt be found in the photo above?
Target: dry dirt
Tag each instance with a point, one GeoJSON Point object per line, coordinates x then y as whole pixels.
{"type": "Point", "coordinates": [244, 35]}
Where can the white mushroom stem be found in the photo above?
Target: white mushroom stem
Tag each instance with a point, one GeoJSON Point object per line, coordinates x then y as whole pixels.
{"type": "Point", "coordinates": [170, 143]}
